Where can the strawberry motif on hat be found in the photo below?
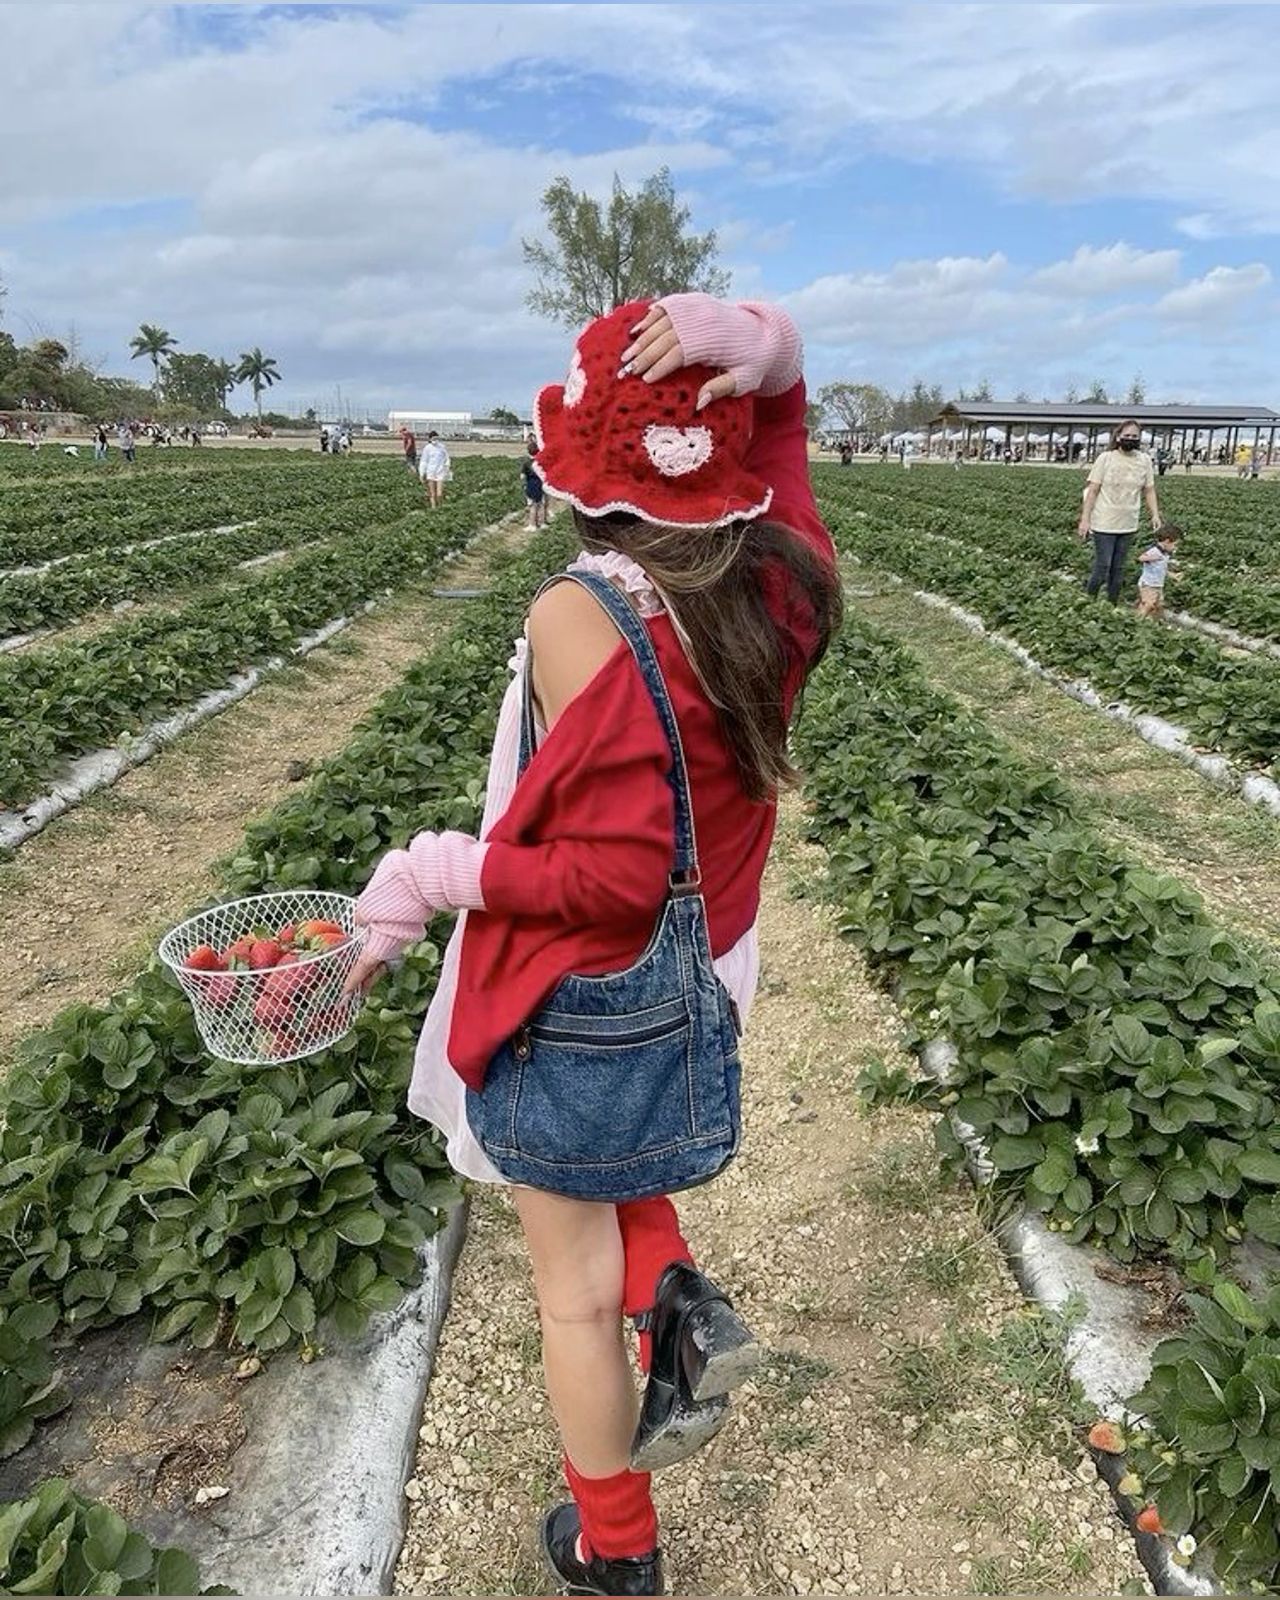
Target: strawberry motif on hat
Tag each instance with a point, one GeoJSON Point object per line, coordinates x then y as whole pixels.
{"type": "Point", "coordinates": [610, 442]}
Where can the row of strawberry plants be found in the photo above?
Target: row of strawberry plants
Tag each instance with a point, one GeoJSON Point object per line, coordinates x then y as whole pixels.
{"type": "Point", "coordinates": [45, 523]}
{"type": "Point", "coordinates": [64, 700]}
{"type": "Point", "coordinates": [51, 599]}
{"type": "Point", "coordinates": [1229, 704]}
{"type": "Point", "coordinates": [1118, 1051]}
{"type": "Point", "coordinates": [139, 1178]}
{"type": "Point", "coordinates": [1205, 587]}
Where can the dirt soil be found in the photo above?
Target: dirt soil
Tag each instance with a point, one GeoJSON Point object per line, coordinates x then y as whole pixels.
{"type": "Point", "coordinates": [911, 1432]}
{"type": "Point", "coordinates": [88, 898]}
{"type": "Point", "coordinates": [1145, 801]}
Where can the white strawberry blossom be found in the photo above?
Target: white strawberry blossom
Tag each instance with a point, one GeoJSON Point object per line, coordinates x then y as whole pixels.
{"type": "Point", "coordinates": [1086, 1147]}
{"type": "Point", "coordinates": [1186, 1545]}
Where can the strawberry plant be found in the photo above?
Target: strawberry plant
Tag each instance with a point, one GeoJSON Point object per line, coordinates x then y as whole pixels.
{"type": "Point", "coordinates": [57, 1542]}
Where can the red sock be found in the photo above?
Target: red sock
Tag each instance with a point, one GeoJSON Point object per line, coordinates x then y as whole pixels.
{"type": "Point", "coordinates": [616, 1513]}
{"type": "Point", "coordinates": [651, 1241]}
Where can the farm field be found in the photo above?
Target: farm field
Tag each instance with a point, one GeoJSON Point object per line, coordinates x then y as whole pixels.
{"type": "Point", "coordinates": [995, 548]}
{"type": "Point", "coordinates": [1091, 926]}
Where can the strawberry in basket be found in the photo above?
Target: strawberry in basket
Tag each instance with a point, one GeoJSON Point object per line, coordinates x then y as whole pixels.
{"type": "Point", "coordinates": [265, 975]}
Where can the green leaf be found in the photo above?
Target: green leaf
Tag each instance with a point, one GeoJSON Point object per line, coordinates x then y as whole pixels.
{"type": "Point", "coordinates": [1259, 1166]}
{"type": "Point", "coordinates": [107, 1532]}
{"type": "Point", "coordinates": [176, 1573]}
{"type": "Point", "coordinates": [275, 1270]}
{"type": "Point", "coordinates": [359, 1227]}
{"type": "Point", "coordinates": [1237, 1304]}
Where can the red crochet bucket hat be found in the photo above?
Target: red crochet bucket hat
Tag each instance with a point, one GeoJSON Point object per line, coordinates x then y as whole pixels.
{"type": "Point", "coordinates": [608, 443]}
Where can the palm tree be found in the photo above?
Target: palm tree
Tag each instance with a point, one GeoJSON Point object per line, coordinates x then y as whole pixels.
{"type": "Point", "coordinates": [260, 371]}
{"type": "Point", "coordinates": [225, 377]}
{"type": "Point", "coordinates": [156, 343]}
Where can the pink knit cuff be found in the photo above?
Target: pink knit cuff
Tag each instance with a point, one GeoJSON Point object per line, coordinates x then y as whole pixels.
{"type": "Point", "coordinates": [438, 872]}
{"type": "Point", "coordinates": [758, 343]}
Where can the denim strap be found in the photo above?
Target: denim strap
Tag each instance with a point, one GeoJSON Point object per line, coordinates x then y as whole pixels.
{"type": "Point", "coordinates": [685, 876]}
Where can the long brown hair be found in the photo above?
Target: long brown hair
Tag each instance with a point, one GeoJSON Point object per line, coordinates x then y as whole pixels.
{"type": "Point", "coordinates": [713, 582]}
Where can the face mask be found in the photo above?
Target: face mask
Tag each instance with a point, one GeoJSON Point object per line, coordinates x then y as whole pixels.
{"type": "Point", "coordinates": [1130, 444]}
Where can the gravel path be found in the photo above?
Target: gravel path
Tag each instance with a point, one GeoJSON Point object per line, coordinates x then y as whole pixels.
{"type": "Point", "coordinates": [89, 896]}
{"type": "Point", "coordinates": [910, 1433]}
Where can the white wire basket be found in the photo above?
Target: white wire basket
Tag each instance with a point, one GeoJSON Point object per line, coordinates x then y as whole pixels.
{"type": "Point", "coordinates": [267, 982]}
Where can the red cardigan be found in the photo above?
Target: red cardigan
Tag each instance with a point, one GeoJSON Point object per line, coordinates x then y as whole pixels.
{"type": "Point", "coordinates": [577, 867]}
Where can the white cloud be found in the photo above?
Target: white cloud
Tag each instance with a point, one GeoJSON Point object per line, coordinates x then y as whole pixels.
{"type": "Point", "coordinates": [1220, 292]}
{"type": "Point", "coordinates": [912, 303]}
{"type": "Point", "coordinates": [1109, 269]}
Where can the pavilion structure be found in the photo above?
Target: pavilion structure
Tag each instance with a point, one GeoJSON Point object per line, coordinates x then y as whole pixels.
{"type": "Point", "coordinates": [1080, 426]}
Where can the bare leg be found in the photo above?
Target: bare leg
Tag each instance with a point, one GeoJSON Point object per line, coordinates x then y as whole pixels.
{"type": "Point", "coordinates": [576, 1251]}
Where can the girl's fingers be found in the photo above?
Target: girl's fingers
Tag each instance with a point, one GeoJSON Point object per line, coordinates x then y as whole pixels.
{"type": "Point", "coordinates": [718, 388]}
{"type": "Point", "coordinates": [658, 338]}
{"type": "Point", "coordinates": [671, 361]}
{"type": "Point", "coordinates": [363, 975]}
{"type": "Point", "coordinates": [653, 315]}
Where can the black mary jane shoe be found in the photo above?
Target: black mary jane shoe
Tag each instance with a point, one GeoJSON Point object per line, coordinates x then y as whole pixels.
{"type": "Point", "coordinates": [702, 1349]}
{"type": "Point", "coordinates": [622, 1575]}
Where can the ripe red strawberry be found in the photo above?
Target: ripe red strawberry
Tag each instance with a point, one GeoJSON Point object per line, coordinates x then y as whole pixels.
{"type": "Point", "coordinates": [284, 1042]}
{"type": "Point", "coordinates": [204, 958]}
{"type": "Point", "coordinates": [272, 1010]}
{"type": "Point", "coordinates": [320, 925]}
{"type": "Point", "coordinates": [265, 953]}
{"type": "Point", "coordinates": [240, 949]}
{"type": "Point", "coordinates": [1107, 1437]}
{"type": "Point", "coordinates": [1149, 1520]}
{"type": "Point", "coordinates": [290, 975]}
{"type": "Point", "coordinates": [287, 934]}
{"type": "Point", "coordinates": [218, 992]}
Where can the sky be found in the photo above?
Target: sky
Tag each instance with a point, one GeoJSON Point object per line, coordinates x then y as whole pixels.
{"type": "Point", "coordinates": [1034, 195]}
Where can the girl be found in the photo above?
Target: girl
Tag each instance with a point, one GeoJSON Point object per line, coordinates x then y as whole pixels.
{"type": "Point", "coordinates": [582, 1041]}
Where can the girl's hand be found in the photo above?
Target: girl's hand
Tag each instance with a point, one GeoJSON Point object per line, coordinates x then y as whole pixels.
{"type": "Point", "coordinates": [362, 977]}
{"type": "Point", "coordinates": [656, 352]}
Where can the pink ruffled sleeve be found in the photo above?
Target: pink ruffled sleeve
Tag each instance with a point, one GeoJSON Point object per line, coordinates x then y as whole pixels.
{"type": "Point", "coordinates": [758, 343]}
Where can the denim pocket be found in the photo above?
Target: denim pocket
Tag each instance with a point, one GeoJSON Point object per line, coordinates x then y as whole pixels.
{"type": "Point", "coordinates": [599, 1090]}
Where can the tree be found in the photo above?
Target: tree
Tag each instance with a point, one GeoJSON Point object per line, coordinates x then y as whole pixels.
{"type": "Point", "coordinates": [1137, 395]}
{"type": "Point", "coordinates": [504, 416]}
{"type": "Point", "coordinates": [813, 415]}
{"type": "Point", "coordinates": [155, 343]}
{"type": "Point", "coordinates": [1073, 394]}
{"type": "Point", "coordinates": [599, 259]}
{"type": "Point", "coordinates": [227, 377]}
{"type": "Point", "coordinates": [259, 371]}
{"type": "Point", "coordinates": [1022, 398]}
{"type": "Point", "coordinates": [1097, 394]}
{"type": "Point", "coordinates": [859, 407]}
{"type": "Point", "coordinates": [983, 391]}
{"type": "Point", "coordinates": [193, 381]}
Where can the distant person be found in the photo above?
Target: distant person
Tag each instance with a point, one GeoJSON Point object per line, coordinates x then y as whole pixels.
{"type": "Point", "coordinates": [1155, 570]}
{"type": "Point", "coordinates": [33, 435]}
{"type": "Point", "coordinates": [1162, 461]}
{"type": "Point", "coordinates": [125, 439]}
{"type": "Point", "coordinates": [100, 445]}
{"type": "Point", "coordinates": [846, 455]}
{"type": "Point", "coordinates": [324, 441]}
{"type": "Point", "coordinates": [434, 468]}
{"type": "Point", "coordinates": [535, 495]}
{"type": "Point", "coordinates": [1119, 480]}
{"type": "Point", "coordinates": [409, 444]}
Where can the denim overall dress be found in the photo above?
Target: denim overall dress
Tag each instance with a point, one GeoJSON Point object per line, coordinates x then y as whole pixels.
{"type": "Point", "coordinates": [624, 1085]}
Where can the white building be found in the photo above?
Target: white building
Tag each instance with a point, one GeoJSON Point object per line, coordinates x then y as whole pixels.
{"type": "Point", "coordinates": [448, 424]}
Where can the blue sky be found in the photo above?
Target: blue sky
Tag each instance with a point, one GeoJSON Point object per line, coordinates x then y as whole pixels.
{"type": "Point", "coordinates": [1035, 195]}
